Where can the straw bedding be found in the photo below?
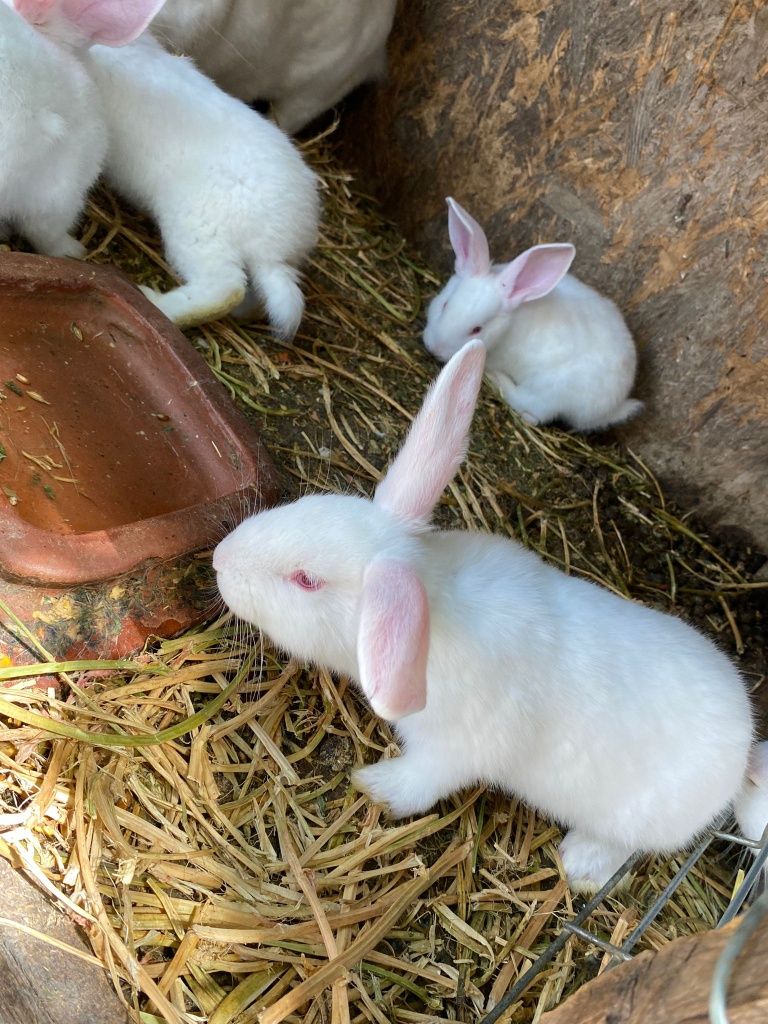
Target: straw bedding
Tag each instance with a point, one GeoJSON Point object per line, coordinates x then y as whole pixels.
{"type": "Point", "coordinates": [230, 873]}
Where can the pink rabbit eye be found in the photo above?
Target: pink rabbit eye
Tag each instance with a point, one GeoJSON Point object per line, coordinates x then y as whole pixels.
{"type": "Point", "coordinates": [476, 330]}
{"type": "Point", "coordinates": [305, 580]}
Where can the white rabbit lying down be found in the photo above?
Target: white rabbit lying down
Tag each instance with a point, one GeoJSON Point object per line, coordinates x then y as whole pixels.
{"type": "Point", "coordinates": [304, 55]}
{"type": "Point", "coordinates": [623, 723]}
{"type": "Point", "coordinates": [234, 200]}
{"type": "Point", "coordinates": [556, 348]}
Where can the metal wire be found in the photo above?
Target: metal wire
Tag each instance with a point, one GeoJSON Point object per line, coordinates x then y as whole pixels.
{"type": "Point", "coordinates": [557, 944]}
{"type": "Point", "coordinates": [718, 995]}
{"type": "Point", "coordinates": [658, 905]}
{"type": "Point", "coordinates": [575, 927]}
{"type": "Point", "coordinates": [751, 879]}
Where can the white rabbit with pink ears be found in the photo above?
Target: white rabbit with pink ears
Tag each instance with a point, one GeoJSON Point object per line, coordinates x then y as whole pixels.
{"type": "Point", "coordinates": [624, 724]}
{"type": "Point", "coordinates": [556, 348]}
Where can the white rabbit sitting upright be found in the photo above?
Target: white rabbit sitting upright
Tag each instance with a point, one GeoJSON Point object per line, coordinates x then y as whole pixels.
{"type": "Point", "coordinates": [53, 138]}
{"type": "Point", "coordinates": [233, 198]}
{"type": "Point", "coordinates": [623, 723]}
{"type": "Point", "coordinates": [556, 348]}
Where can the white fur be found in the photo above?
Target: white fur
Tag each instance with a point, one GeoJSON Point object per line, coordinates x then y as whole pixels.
{"type": "Point", "coordinates": [752, 803]}
{"type": "Point", "coordinates": [568, 355]}
{"type": "Point", "coordinates": [304, 55]}
{"type": "Point", "coordinates": [233, 198]}
{"type": "Point", "coordinates": [52, 137]}
{"type": "Point", "coordinates": [622, 723]}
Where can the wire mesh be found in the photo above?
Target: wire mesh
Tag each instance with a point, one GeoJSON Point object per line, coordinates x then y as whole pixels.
{"type": "Point", "coordinates": [576, 926]}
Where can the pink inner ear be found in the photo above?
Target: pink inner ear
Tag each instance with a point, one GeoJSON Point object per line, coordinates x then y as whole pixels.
{"type": "Point", "coordinates": [534, 273]}
{"type": "Point", "coordinates": [437, 440]}
{"type": "Point", "coordinates": [393, 639]}
{"type": "Point", "coordinates": [468, 241]}
{"type": "Point", "coordinates": [34, 11]}
{"type": "Point", "coordinates": [110, 22]}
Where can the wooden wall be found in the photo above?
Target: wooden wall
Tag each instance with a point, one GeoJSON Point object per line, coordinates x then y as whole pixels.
{"type": "Point", "coordinates": [638, 130]}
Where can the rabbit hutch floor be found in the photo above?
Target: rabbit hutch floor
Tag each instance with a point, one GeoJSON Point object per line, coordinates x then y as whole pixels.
{"type": "Point", "coordinates": [192, 809]}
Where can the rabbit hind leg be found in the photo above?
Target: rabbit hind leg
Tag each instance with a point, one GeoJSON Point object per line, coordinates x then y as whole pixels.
{"type": "Point", "coordinates": [534, 404]}
{"type": "Point", "coordinates": [590, 862]}
{"type": "Point", "coordinates": [211, 290]}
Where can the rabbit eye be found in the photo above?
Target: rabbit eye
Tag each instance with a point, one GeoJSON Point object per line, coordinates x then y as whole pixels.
{"type": "Point", "coordinates": [305, 580]}
{"type": "Point", "coordinates": [476, 330]}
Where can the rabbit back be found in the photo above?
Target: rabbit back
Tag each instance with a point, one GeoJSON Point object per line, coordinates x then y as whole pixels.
{"type": "Point", "coordinates": [200, 158]}
{"type": "Point", "coordinates": [304, 55]}
{"type": "Point", "coordinates": [574, 346]}
{"type": "Point", "coordinates": [598, 710]}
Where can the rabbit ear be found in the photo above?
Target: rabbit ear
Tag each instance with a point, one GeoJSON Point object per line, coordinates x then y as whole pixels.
{"type": "Point", "coordinates": [393, 639]}
{"type": "Point", "coordinates": [35, 12]}
{"type": "Point", "coordinates": [109, 22]}
{"type": "Point", "coordinates": [468, 240]}
{"type": "Point", "coordinates": [437, 440]}
{"type": "Point", "coordinates": [535, 273]}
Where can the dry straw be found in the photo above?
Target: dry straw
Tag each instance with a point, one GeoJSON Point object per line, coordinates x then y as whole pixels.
{"type": "Point", "coordinates": [230, 874]}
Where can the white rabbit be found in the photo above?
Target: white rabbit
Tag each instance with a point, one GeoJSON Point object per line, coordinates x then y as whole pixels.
{"type": "Point", "coordinates": [232, 196]}
{"type": "Point", "coordinates": [623, 723]}
{"type": "Point", "coordinates": [52, 136]}
{"type": "Point", "coordinates": [556, 348]}
{"type": "Point", "coordinates": [305, 55]}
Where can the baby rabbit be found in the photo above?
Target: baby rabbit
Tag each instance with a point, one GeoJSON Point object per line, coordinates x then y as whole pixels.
{"type": "Point", "coordinates": [52, 136]}
{"type": "Point", "coordinates": [556, 348]}
{"type": "Point", "coordinates": [621, 722]}
{"type": "Point", "coordinates": [232, 196]}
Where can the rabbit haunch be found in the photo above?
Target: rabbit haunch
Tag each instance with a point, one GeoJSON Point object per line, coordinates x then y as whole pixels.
{"type": "Point", "coordinates": [623, 723]}
{"type": "Point", "coordinates": [234, 200]}
{"type": "Point", "coordinates": [53, 134]}
{"type": "Point", "coordinates": [556, 348]}
{"type": "Point", "coordinates": [304, 55]}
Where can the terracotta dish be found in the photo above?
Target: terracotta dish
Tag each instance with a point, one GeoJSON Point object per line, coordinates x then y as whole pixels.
{"type": "Point", "coordinates": [119, 448]}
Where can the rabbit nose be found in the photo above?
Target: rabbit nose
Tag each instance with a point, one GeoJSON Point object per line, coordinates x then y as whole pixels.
{"type": "Point", "coordinates": [220, 560]}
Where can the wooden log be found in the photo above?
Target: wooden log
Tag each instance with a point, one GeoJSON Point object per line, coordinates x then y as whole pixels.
{"type": "Point", "coordinates": [672, 986]}
{"type": "Point", "coordinates": [637, 131]}
{"type": "Point", "coordinates": [39, 983]}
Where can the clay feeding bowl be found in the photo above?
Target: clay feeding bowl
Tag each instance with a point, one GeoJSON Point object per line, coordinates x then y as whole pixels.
{"type": "Point", "coordinates": [121, 456]}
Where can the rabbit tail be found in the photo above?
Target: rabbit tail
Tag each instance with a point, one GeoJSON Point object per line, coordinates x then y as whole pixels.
{"type": "Point", "coordinates": [751, 805]}
{"type": "Point", "coordinates": [631, 407]}
{"type": "Point", "coordinates": [626, 411]}
{"type": "Point", "coordinates": [278, 287]}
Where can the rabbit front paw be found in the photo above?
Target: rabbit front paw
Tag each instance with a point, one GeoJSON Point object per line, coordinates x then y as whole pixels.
{"type": "Point", "coordinates": [401, 784]}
